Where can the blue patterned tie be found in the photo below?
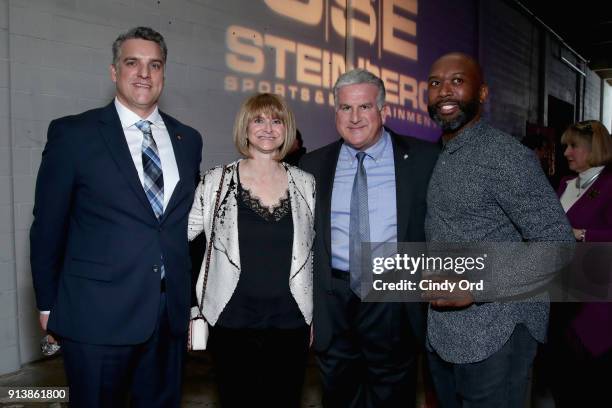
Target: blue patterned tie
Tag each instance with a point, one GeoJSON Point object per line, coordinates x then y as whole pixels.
{"type": "Point", "coordinates": [153, 178]}
{"type": "Point", "coordinates": [359, 227]}
{"type": "Point", "coordinates": [152, 171]}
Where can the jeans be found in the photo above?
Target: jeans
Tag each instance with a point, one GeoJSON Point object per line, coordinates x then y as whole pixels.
{"type": "Point", "coordinates": [499, 381]}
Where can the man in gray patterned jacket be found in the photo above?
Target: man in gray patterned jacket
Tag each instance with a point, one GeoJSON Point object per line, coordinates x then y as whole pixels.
{"type": "Point", "coordinates": [486, 187]}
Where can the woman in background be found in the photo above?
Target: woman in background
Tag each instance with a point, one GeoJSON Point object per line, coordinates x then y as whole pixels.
{"type": "Point", "coordinates": [581, 333]}
{"type": "Point", "coordinates": [258, 295]}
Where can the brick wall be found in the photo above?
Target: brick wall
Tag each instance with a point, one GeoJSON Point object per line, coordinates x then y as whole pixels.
{"type": "Point", "coordinates": [509, 47]}
{"type": "Point", "coordinates": [561, 78]}
{"type": "Point", "coordinates": [592, 96]}
{"type": "Point", "coordinates": [9, 347]}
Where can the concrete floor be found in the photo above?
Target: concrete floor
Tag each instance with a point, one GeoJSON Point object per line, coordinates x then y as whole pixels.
{"type": "Point", "coordinates": [198, 385]}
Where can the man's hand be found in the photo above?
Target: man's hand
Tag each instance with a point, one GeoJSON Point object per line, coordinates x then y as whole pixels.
{"type": "Point", "coordinates": [457, 301]}
{"type": "Point", "coordinates": [455, 298]}
{"type": "Point", "coordinates": [579, 234]}
{"type": "Point", "coordinates": [43, 318]}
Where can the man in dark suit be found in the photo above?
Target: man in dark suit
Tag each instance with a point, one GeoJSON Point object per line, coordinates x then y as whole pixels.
{"type": "Point", "coordinates": [366, 351]}
{"type": "Point", "coordinates": [109, 254]}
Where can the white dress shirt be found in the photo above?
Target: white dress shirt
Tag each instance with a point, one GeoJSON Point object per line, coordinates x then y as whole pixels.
{"type": "Point", "coordinates": [134, 138]}
{"type": "Point", "coordinates": [382, 201]}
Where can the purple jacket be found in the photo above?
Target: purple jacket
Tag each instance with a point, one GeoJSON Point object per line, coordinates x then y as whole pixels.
{"type": "Point", "coordinates": [593, 212]}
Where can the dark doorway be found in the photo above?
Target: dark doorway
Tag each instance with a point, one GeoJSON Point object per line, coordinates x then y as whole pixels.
{"type": "Point", "coordinates": [542, 141]}
{"type": "Point", "coordinates": [561, 114]}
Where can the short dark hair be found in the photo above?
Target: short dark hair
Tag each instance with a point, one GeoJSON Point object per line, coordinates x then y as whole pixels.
{"type": "Point", "coordinates": [142, 33]}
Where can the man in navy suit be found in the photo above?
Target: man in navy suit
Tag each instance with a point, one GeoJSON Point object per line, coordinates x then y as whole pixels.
{"type": "Point", "coordinates": [109, 252]}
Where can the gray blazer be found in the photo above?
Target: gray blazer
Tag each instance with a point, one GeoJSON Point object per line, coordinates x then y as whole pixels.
{"type": "Point", "coordinates": [224, 270]}
{"type": "Point", "coordinates": [487, 187]}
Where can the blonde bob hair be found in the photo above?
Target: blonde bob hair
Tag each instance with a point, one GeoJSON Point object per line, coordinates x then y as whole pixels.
{"type": "Point", "coordinates": [270, 105]}
{"type": "Point", "coordinates": [595, 134]}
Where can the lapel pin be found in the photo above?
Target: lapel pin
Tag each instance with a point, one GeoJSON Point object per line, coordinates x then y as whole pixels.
{"type": "Point", "coordinates": [405, 156]}
{"type": "Point", "coordinates": [179, 137]}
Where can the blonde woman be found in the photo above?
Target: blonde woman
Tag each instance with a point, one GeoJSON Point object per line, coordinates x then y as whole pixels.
{"type": "Point", "coordinates": [581, 333]}
{"type": "Point", "coordinates": [258, 294]}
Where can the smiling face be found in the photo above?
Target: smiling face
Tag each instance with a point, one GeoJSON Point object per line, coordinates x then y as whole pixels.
{"type": "Point", "coordinates": [577, 154]}
{"type": "Point", "coordinates": [358, 119]}
{"type": "Point", "coordinates": [265, 134]}
{"type": "Point", "coordinates": [455, 93]}
{"type": "Point", "coordinates": [139, 75]}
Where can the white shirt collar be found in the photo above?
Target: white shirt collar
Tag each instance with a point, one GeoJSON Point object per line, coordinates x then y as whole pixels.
{"type": "Point", "coordinates": [590, 172]}
{"type": "Point", "coordinates": [128, 118]}
{"type": "Point", "coordinates": [376, 151]}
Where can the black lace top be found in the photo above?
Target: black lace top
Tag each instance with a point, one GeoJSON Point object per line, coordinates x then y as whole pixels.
{"type": "Point", "coordinates": [262, 299]}
{"type": "Point", "coordinates": [275, 213]}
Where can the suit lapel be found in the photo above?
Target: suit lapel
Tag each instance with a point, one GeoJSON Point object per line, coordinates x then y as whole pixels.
{"type": "Point", "coordinates": [403, 186]}
{"type": "Point", "coordinates": [325, 185]}
{"type": "Point", "coordinates": [112, 132]}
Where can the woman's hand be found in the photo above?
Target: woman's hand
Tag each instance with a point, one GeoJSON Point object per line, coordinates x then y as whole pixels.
{"type": "Point", "coordinates": [579, 234]}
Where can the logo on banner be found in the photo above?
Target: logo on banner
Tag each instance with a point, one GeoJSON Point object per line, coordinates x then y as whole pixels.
{"type": "Point", "coordinates": [306, 72]}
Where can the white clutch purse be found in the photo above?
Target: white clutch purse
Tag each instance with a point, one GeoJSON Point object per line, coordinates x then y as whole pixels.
{"type": "Point", "coordinates": [198, 334]}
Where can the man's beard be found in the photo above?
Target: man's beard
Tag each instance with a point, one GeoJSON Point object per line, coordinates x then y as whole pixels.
{"type": "Point", "coordinates": [467, 112]}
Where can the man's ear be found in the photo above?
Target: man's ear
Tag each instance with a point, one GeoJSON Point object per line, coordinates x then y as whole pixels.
{"type": "Point", "coordinates": [113, 72]}
{"type": "Point", "coordinates": [384, 112]}
{"type": "Point", "coordinates": [483, 93]}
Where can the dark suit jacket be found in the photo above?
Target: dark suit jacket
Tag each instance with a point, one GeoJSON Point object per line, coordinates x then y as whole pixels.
{"type": "Point", "coordinates": [414, 162]}
{"type": "Point", "coordinates": [95, 243]}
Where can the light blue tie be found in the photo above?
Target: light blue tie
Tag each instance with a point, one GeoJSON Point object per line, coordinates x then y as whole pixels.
{"type": "Point", "coordinates": [359, 226]}
{"type": "Point", "coordinates": [153, 177]}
